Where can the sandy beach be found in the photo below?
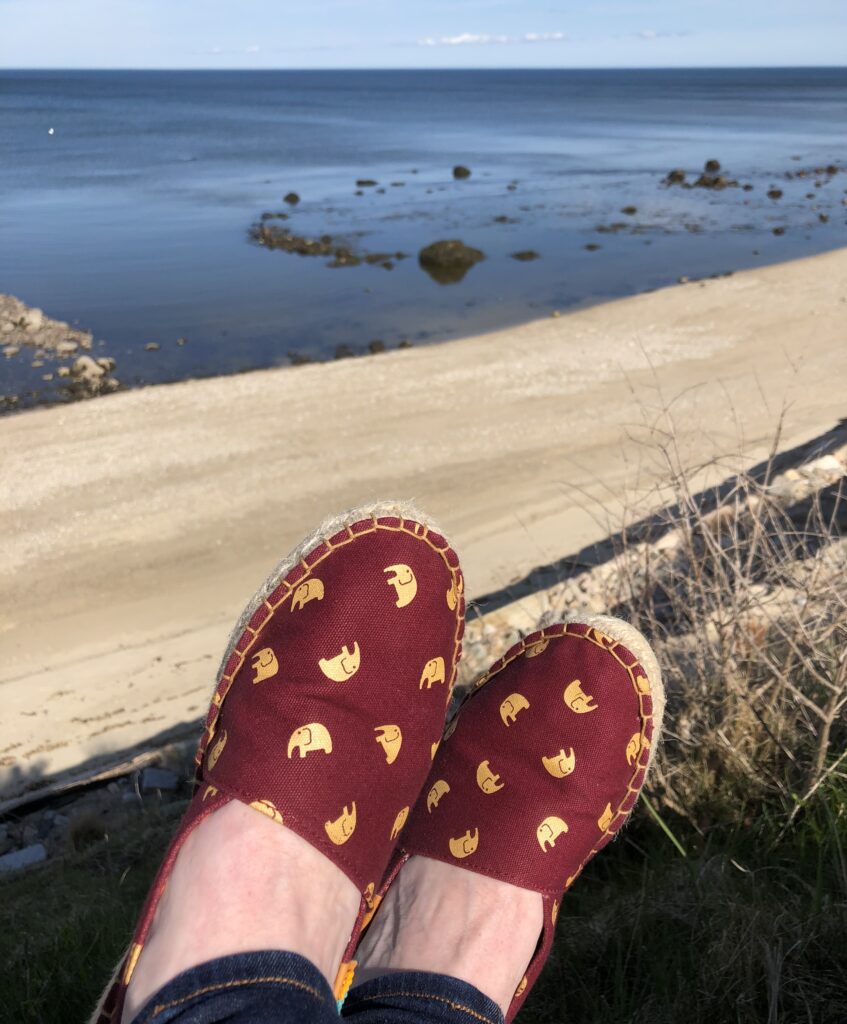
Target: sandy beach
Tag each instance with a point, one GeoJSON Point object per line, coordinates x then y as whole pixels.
{"type": "Point", "coordinates": [138, 523]}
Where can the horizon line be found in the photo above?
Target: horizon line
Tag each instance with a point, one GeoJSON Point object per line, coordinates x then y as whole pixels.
{"type": "Point", "coordinates": [640, 67]}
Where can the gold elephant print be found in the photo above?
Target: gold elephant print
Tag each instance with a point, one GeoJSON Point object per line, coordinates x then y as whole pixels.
{"type": "Point", "coordinates": [264, 664]}
{"type": "Point", "coordinates": [309, 590]}
{"type": "Point", "coordinates": [343, 666]}
{"type": "Point", "coordinates": [554, 913]}
{"type": "Point", "coordinates": [340, 830]}
{"type": "Point", "coordinates": [561, 764]}
{"type": "Point", "coordinates": [577, 699]}
{"type": "Point", "coordinates": [436, 792]}
{"type": "Point", "coordinates": [370, 889]}
{"type": "Point", "coordinates": [537, 648]}
{"type": "Point", "coordinates": [486, 779]}
{"type": "Point", "coordinates": [313, 736]}
{"type": "Point", "coordinates": [637, 743]}
{"type": "Point", "coordinates": [465, 845]}
{"type": "Point", "coordinates": [389, 737]}
{"type": "Point", "coordinates": [399, 822]}
{"type": "Point", "coordinates": [268, 809]}
{"type": "Point", "coordinates": [519, 991]}
{"type": "Point", "coordinates": [454, 593]}
{"type": "Point", "coordinates": [403, 580]}
{"type": "Point", "coordinates": [549, 831]}
{"type": "Point", "coordinates": [209, 791]}
{"type": "Point", "coordinates": [600, 637]}
{"type": "Point", "coordinates": [433, 750]}
{"type": "Point", "coordinates": [605, 819]}
{"type": "Point", "coordinates": [643, 684]}
{"type": "Point", "coordinates": [216, 751]}
{"type": "Point", "coordinates": [510, 707]}
{"type": "Point", "coordinates": [433, 672]}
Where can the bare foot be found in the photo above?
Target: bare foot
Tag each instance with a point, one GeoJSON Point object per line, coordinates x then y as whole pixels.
{"type": "Point", "coordinates": [445, 919]}
{"type": "Point", "coordinates": [240, 884]}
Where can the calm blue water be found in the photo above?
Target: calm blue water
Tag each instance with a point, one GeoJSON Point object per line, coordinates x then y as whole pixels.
{"type": "Point", "coordinates": [131, 219]}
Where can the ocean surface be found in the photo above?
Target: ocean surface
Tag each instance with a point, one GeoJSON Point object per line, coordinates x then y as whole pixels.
{"type": "Point", "coordinates": [126, 200]}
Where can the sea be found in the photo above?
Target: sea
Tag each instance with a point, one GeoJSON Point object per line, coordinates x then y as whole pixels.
{"type": "Point", "coordinates": [127, 200]}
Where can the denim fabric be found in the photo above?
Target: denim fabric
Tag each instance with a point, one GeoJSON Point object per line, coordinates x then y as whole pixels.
{"type": "Point", "coordinates": [417, 997]}
{"type": "Point", "coordinates": [284, 988]}
{"type": "Point", "coordinates": [249, 988]}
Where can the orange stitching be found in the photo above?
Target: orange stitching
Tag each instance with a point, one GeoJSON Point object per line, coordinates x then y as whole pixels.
{"type": "Point", "coordinates": [420, 995]}
{"type": "Point", "coordinates": [161, 1007]}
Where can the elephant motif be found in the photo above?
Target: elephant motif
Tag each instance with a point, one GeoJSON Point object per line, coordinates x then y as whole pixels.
{"type": "Point", "coordinates": [309, 590]}
{"type": "Point", "coordinates": [216, 751]}
{"type": "Point", "coordinates": [340, 830]}
{"type": "Point", "coordinates": [486, 779]}
{"type": "Point", "coordinates": [343, 666]}
{"type": "Point", "coordinates": [577, 699]}
{"type": "Point", "coordinates": [465, 845]}
{"type": "Point", "coordinates": [510, 707]}
{"type": "Point", "coordinates": [549, 831]}
{"type": "Point", "coordinates": [433, 672]}
{"type": "Point", "coordinates": [389, 737]}
{"type": "Point", "coordinates": [436, 792]}
{"type": "Point", "coordinates": [605, 819]}
{"type": "Point", "coordinates": [399, 822]}
{"type": "Point", "coordinates": [306, 738]}
{"type": "Point", "coordinates": [561, 764]}
{"type": "Point", "coordinates": [404, 582]}
{"type": "Point", "coordinates": [268, 809]}
{"type": "Point", "coordinates": [264, 664]}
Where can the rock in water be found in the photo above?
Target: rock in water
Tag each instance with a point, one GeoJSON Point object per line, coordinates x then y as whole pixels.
{"type": "Point", "coordinates": [448, 261]}
{"type": "Point", "coordinates": [525, 255]}
{"type": "Point", "coordinates": [292, 199]}
{"type": "Point", "coordinates": [460, 172]}
{"type": "Point", "coordinates": [675, 177]}
{"type": "Point", "coordinates": [712, 166]}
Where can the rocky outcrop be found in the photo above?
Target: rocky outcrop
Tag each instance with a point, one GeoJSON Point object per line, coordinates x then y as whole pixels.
{"type": "Point", "coordinates": [27, 333]}
{"type": "Point", "coordinates": [448, 261]}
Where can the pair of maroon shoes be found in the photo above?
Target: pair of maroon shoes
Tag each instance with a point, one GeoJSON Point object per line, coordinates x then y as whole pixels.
{"type": "Point", "coordinates": [328, 717]}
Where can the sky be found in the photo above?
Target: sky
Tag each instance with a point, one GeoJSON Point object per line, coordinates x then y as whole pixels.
{"type": "Point", "coordinates": [420, 33]}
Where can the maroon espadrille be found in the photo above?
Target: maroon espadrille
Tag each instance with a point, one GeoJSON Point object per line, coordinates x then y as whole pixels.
{"type": "Point", "coordinates": [331, 699]}
{"type": "Point", "coordinates": [542, 764]}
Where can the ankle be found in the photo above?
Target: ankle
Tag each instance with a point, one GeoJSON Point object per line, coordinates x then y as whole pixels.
{"type": "Point", "coordinates": [441, 918]}
{"type": "Point", "coordinates": [241, 883]}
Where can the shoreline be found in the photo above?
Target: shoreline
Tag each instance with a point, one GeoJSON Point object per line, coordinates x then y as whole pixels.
{"type": "Point", "coordinates": [519, 442]}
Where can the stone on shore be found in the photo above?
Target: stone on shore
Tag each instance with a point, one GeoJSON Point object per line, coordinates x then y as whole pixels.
{"type": "Point", "coordinates": [24, 858]}
{"type": "Point", "coordinates": [448, 260]}
{"type": "Point", "coordinates": [460, 172]}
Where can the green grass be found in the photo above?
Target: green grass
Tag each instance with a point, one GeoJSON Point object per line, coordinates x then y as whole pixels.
{"type": "Point", "coordinates": [738, 931]}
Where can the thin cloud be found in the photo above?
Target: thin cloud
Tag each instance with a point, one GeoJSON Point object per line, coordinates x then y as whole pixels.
{"type": "Point", "coordinates": [649, 34]}
{"type": "Point", "coordinates": [487, 39]}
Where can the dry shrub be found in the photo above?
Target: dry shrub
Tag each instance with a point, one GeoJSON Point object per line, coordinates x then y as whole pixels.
{"type": "Point", "coordinates": [741, 588]}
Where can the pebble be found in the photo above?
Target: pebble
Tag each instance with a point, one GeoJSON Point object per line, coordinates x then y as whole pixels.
{"type": "Point", "coordinates": [24, 858]}
{"type": "Point", "coordinates": [66, 348]}
{"type": "Point", "coordinates": [152, 346]}
{"type": "Point", "coordinates": [85, 366]}
{"type": "Point", "coordinates": [11, 350]}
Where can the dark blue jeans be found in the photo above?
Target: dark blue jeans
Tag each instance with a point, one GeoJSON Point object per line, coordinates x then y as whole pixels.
{"type": "Point", "coordinates": [284, 988]}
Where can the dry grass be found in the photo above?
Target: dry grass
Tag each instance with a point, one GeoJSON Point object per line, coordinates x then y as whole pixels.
{"type": "Point", "coordinates": [741, 590]}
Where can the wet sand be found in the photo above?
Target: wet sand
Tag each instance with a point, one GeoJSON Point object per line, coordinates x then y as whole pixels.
{"type": "Point", "coordinates": [138, 523]}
